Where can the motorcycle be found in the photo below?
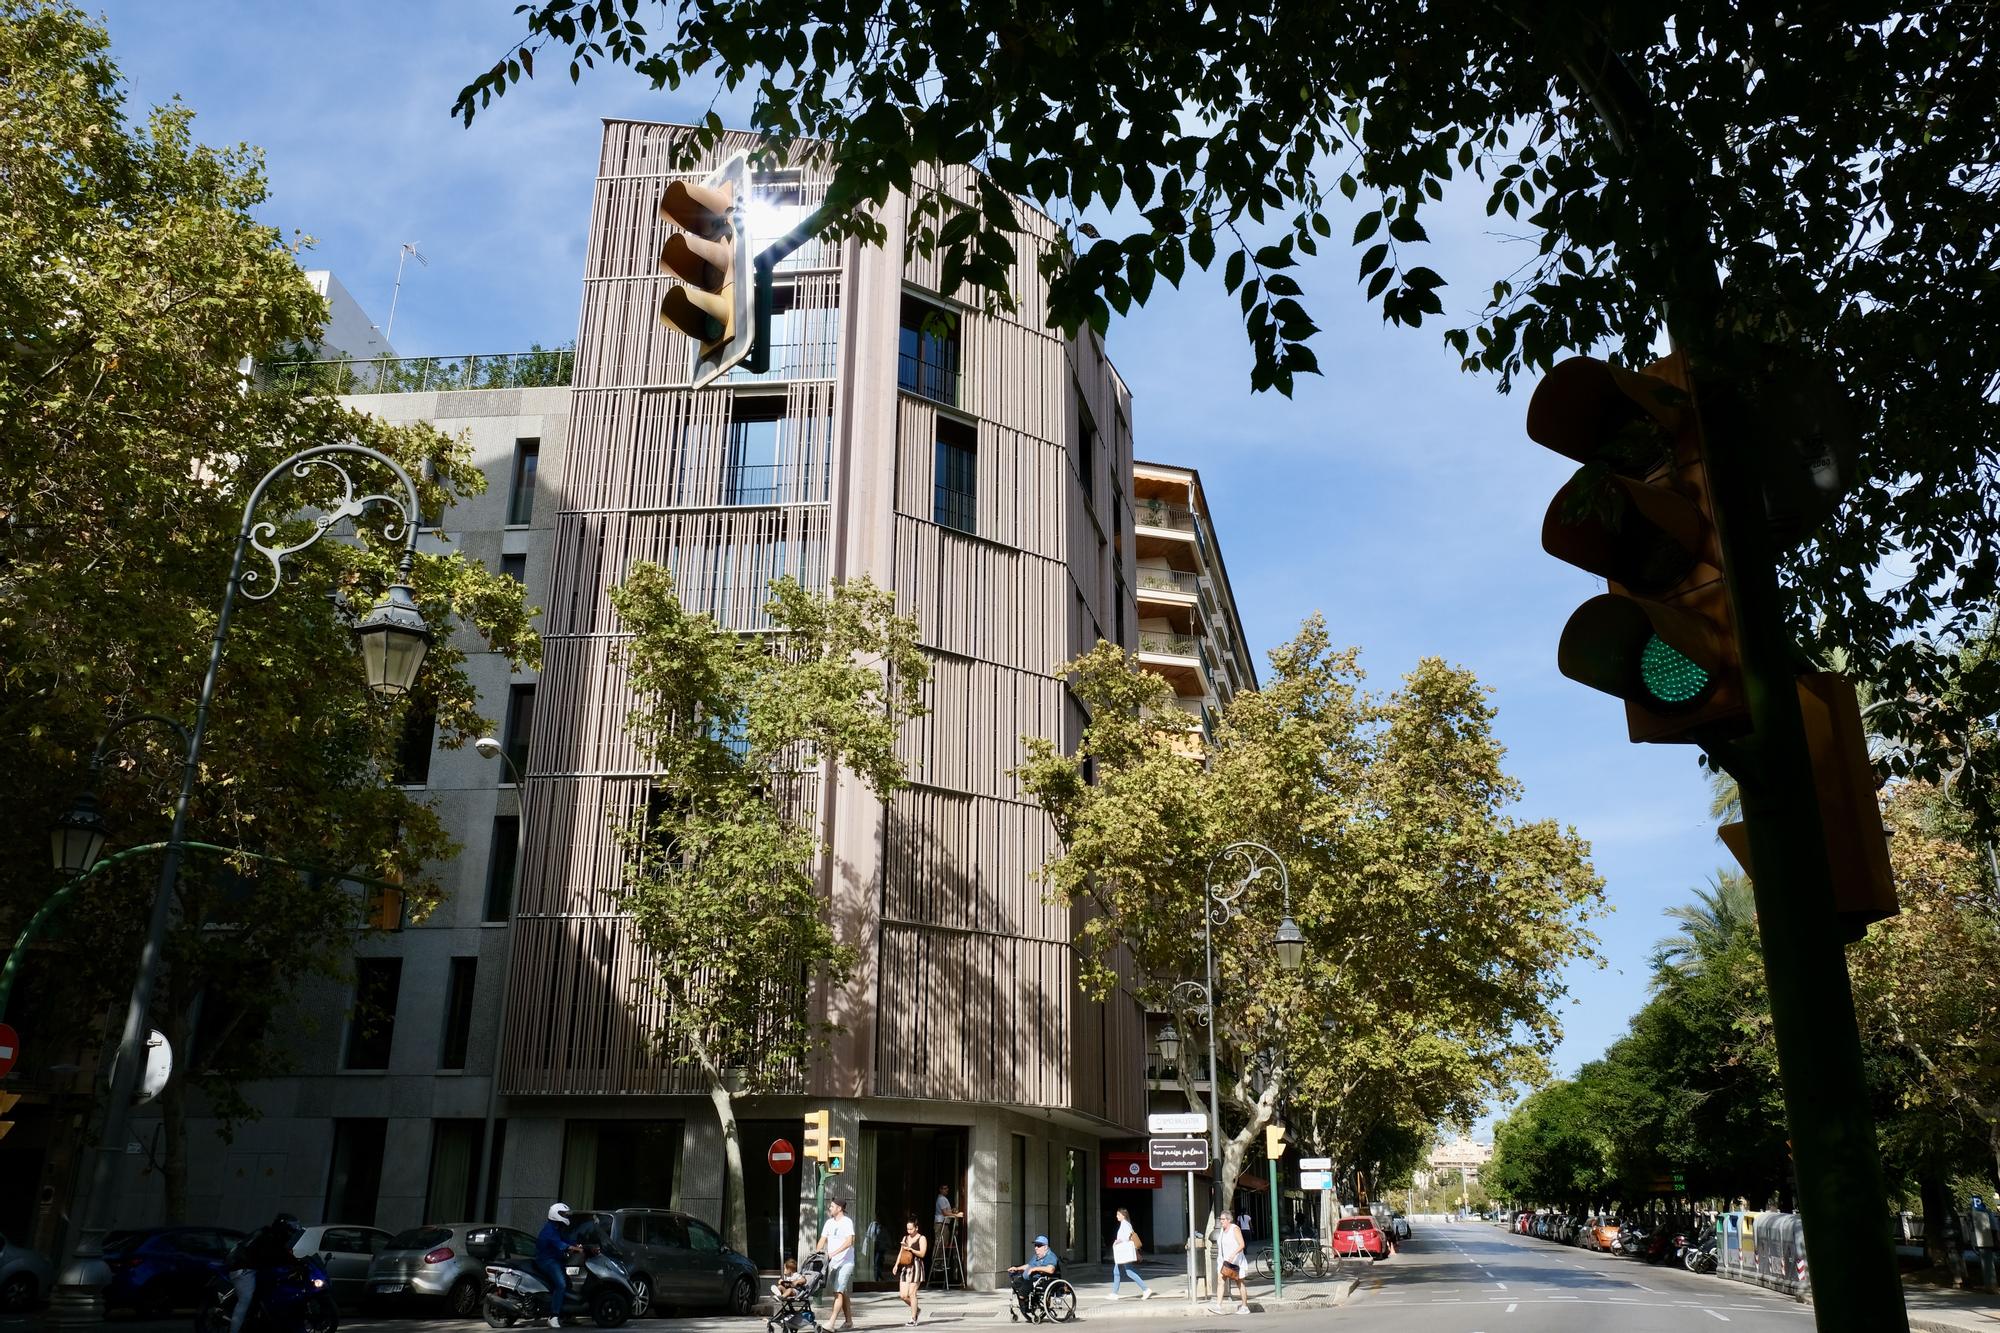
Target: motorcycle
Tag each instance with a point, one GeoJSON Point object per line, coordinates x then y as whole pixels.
{"type": "Point", "coordinates": [287, 1300]}
{"type": "Point", "coordinates": [599, 1286]}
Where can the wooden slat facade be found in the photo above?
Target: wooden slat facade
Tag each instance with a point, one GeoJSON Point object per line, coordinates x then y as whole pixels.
{"type": "Point", "coordinates": [940, 888]}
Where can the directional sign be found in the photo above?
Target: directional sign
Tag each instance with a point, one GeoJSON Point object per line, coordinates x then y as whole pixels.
{"type": "Point", "coordinates": [1177, 1154]}
{"type": "Point", "coordinates": [1316, 1180]}
{"type": "Point", "coordinates": [1315, 1164]}
{"type": "Point", "coordinates": [10, 1048]}
{"type": "Point", "coordinates": [1179, 1122]}
{"type": "Point", "coordinates": [781, 1157]}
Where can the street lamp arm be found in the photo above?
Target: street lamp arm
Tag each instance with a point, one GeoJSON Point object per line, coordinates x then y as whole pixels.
{"type": "Point", "coordinates": [1253, 861]}
{"type": "Point", "coordinates": [403, 528]}
{"type": "Point", "coordinates": [103, 750]}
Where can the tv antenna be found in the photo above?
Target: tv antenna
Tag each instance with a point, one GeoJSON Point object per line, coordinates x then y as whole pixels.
{"type": "Point", "coordinates": [409, 249]}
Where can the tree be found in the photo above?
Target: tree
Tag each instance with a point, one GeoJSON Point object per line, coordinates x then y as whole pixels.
{"type": "Point", "coordinates": [1708, 925]}
{"type": "Point", "coordinates": [1832, 161]}
{"type": "Point", "coordinates": [134, 282]}
{"type": "Point", "coordinates": [722, 877]}
{"type": "Point", "coordinates": [1435, 923]}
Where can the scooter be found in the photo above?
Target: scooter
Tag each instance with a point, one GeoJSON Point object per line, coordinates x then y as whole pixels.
{"type": "Point", "coordinates": [599, 1286]}
{"type": "Point", "coordinates": [287, 1300]}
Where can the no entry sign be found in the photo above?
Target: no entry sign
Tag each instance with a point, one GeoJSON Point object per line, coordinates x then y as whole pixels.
{"type": "Point", "coordinates": [781, 1157]}
{"type": "Point", "coordinates": [10, 1048]}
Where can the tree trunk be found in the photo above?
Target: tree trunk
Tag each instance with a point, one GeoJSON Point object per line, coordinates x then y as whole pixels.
{"type": "Point", "coordinates": [735, 1216]}
{"type": "Point", "coordinates": [1936, 1202]}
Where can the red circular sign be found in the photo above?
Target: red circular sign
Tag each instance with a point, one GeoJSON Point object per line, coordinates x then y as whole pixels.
{"type": "Point", "coordinates": [781, 1157]}
{"type": "Point", "coordinates": [10, 1047]}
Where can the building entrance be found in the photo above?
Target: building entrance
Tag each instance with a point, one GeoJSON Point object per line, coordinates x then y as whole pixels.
{"type": "Point", "coordinates": [896, 1177]}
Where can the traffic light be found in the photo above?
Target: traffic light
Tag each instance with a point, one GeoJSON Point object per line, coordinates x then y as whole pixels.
{"type": "Point", "coordinates": [1638, 514]}
{"type": "Point", "coordinates": [836, 1156]}
{"type": "Point", "coordinates": [710, 254]}
{"type": "Point", "coordinates": [817, 1123]}
{"type": "Point", "coordinates": [1274, 1141]}
{"type": "Point", "coordinates": [7, 1103]}
{"type": "Point", "coordinates": [384, 907]}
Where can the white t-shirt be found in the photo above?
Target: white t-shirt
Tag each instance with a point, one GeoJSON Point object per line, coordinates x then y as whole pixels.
{"type": "Point", "coordinates": [1230, 1242]}
{"type": "Point", "coordinates": [838, 1229]}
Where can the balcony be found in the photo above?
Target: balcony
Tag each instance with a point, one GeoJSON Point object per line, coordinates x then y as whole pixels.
{"type": "Point", "coordinates": [928, 378]}
{"type": "Point", "coordinates": [537, 368]}
{"type": "Point", "coordinates": [1170, 645]}
{"type": "Point", "coordinates": [1176, 581]}
{"type": "Point", "coordinates": [1157, 513]}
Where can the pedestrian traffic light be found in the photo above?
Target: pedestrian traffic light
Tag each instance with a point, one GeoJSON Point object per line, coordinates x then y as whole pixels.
{"type": "Point", "coordinates": [836, 1156]}
{"type": "Point", "coordinates": [1638, 514]}
{"type": "Point", "coordinates": [7, 1103]}
{"type": "Point", "coordinates": [1274, 1141]}
{"type": "Point", "coordinates": [817, 1123]}
{"type": "Point", "coordinates": [710, 254]}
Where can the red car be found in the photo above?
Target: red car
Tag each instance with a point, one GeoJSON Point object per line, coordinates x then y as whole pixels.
{"type": "Point", "coordinates": [1359, 1236]}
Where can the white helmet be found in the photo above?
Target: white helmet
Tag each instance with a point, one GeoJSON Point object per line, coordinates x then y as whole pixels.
{"type": "Point", "coordinates": [559, 1212]}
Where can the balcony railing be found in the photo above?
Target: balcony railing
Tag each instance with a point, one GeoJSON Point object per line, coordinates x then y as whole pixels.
{"type": "Point", "coordinates": [1164, 514]}
{"type": "Point", "coordinates": [935, 380]}
{"type": "Point", "coordinates": [1170, 580]}
{"type": "Point", "coordinates": [537, 368]}
{"type": "Point", "coordinates": [1170, 645]}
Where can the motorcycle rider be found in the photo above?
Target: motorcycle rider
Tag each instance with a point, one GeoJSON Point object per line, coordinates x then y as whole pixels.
{"type": "Point", "coordinates": [552, 1248]}
{"type": "Point", "coordinates": [270, 1247]}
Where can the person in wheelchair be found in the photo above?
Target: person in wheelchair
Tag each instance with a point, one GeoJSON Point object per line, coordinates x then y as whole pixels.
{"type": "Point", "coordinates": [1031, 1277]}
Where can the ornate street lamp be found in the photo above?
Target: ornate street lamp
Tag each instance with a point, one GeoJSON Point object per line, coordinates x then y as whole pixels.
{"type": "Point", "coordinates": [393, 640]}
{"type": "Point", "coordinates": [1170, 1046]}
{"type": "Point", "coordinates": [77, 839]}
{"type": "Point", "coordinates": [1290, 944]}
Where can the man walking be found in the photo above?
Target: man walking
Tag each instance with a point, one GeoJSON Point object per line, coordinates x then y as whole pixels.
{"type": "Point", "coordinates": [836, 1240]}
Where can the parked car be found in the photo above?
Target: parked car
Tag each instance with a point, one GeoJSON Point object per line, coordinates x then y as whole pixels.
{"type": "Point", "coordinates": [165, 1268]}
{"type": "Point", "coordinates": [1603, 1235]}
{"type": "Point", "coordinates": [445, 1262]}
{"type": "Point", "coordinates": [347, 1253]}
{"type": "Point", "coordinates": [25, 1277]}
{"type": "Point", "coordinates": [677, 1261]}
{"type": "Point", "coordinates": [1360, 1236]}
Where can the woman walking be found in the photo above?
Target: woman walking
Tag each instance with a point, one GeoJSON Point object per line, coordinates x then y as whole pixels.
{"type": "Point", "coordinates": [910, 1267]}
{"type": "Point", "coordinates": [1125, 1258]}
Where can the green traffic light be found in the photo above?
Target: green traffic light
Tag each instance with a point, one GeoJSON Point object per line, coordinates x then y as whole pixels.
{"type": "Point", "coordinates": [1670, 676]}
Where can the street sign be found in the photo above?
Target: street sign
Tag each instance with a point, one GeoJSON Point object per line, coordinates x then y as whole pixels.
{"type": "Point", "coordinates": [1178, 1122]}
{"type": "Point", "coordinates": [1315, 1180]}
{"type": "Point", "coordinates": [1127, 1170]}
{"type": "Point", "coordinates": [781, 1157]}
{"type": "Point", "coordinates": [1315, 1164]}
{"type": "Point", "coordinates": [10, 1048]}
{"type": "Point", "coordinates": [1177, 1154]}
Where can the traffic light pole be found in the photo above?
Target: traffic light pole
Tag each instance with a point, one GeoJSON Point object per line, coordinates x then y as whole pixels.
{"type": "Point", "coordinates": [1277, 1250]}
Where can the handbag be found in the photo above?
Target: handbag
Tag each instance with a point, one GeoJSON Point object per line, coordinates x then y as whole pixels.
{"type": "Point", "coordinates": [1125, 1251]}
{"type": "Point", "coordinates": [905, 1258]}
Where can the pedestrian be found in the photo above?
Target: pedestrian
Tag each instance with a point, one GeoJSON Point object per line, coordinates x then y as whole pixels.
{"type": "Point", "coordinates": [1229, 1248]}
{"type": "Point", "coordinates": [1125, 1257]}
{"type": "Point", "coordinates": [836, 1239]}
{"type": "Point", "coordinates": [910, 1267]}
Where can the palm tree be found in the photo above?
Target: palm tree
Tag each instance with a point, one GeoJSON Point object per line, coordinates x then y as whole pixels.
{"type": "Point", "coordinates": [1721, 909]}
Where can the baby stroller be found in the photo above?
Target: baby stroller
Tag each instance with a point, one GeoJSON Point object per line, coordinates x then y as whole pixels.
{"type": "Point", "coordinates": [795, 1311]}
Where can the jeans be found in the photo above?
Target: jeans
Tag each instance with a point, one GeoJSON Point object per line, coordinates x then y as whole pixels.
{"type": "Point", "coordinates": [558, 1285]}
{"type": "Point", "coordinates": [245, 1282]}
{"type": "Point", "coordinates": [1130, 1270]}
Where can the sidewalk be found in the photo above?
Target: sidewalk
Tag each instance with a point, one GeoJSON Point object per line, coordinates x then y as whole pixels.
{"type": "Point", "coordinates": [1944, 1310]}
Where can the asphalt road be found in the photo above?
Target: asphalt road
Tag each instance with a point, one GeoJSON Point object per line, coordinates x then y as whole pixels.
{"type": "Point", "coordinates": [1475, 1278]}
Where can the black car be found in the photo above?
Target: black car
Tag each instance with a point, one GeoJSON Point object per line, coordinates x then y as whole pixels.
{"type": "Point", "coordinates": [677, 1262]}
{"type": "Point", "coordinates": [165, 1268]}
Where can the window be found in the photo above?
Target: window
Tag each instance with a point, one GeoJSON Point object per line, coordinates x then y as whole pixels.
{"type": "Point", "coordinates": [520, 727]}
{"type": "Point", "coordinates": [458, 1013]}
{"type": "Point", "coordinates": [956, 491]}
{"type": "Point", "coordinates": [503, 868]}
{"type": "Point", "coordinates": [354, 1181]}
{"type": "Point", "coordinates": [621, 1163]}
{"type": "Point", "coordinates": [1086, 454]}
{"type": "Point", "coordinates": [927, 361]}
{"type": "Point", "coordinates": [521, 498]}
{"type": "Point", "coordinates": [515, 567]}
{"type": "Point", "coordinates": [701, 1239]}
{"type": "Point", "coordinates": [413, 750]}
{"type": "Point", "coordinates": [754, 452]}
{"type": "Point", "coordinates": [453, 1187]}
{"type": "Point", "coordinates": [371, 1025]}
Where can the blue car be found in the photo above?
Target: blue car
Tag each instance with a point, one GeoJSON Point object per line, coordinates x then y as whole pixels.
{"type": "Point", "coordinates": [165, 1268]}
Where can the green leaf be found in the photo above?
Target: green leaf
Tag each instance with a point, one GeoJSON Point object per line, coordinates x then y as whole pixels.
{"type": "Point", "coordinates": [1374, 257]}
{"type": "Point", "coordinates": [1369, 224]}
{"type": "Point", "coordinates": [1407, 229]}
{"type": "Point", "coordinates": [1232, 271]}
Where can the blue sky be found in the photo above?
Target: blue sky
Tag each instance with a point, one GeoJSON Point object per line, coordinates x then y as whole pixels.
{"type": "Point", "coordinates": [1397, 495]}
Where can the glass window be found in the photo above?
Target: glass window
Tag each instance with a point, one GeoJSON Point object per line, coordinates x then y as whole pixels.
{"type": "Point", "coordinates": [955, 499]}
{"type": "Point", "coordinates": [755, 452]}
{"type": "Point", "coordinates": [503, 868]}
{"type": "Point", "coordinates": [521, 498]}
{"type": "Point", "coordinates": [520, 1245]}
{"type": "Point", "coordinates": [454, 1176]}
{"type": "Point", "coordinates": [354, 1182]}
{"type": "Point", "coordinates": [419, 1238]}
{"type": "Point", "coordinates": [514, 567]}
{"type": "Point", "coordinates": [413, 749]}
{"type": "Point", "coordinates": [1086, 456]}
{"type": "Point", "coordinates": [927, 361]}
{"type": "Point", "coordinates": [371, 1025]}
{"type": "Point", "coordinates": [700, 1239]}
{"type": "Point", "coordinates": [666, 1230]}
{"type": "Point", "coordinates": [520, 727]}
{"type": "Point", "coordinates": [458, 1013]}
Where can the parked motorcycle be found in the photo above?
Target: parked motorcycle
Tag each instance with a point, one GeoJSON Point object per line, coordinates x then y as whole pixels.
{"type": "Point", "coordinates": [599, 1286]}
{"type": "Point", "coordinates": [296, 1299]}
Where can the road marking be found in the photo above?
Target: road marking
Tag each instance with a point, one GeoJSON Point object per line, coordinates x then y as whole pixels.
{"type": "Point", "coordinates": [1513, 1307]}
{"type": "Point", "coordinates": [1501, 1285]}
{"type": "Point", "coordinates": [1718, 1314]}
{"type": "Point", "coordinates": [1643, 1287]}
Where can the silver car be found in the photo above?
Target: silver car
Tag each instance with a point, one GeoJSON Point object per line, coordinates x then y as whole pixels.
{"type": "Point", "coordinates": [347, 1253]}
{"type": "Point", "coordinates": [445, 1262]}
{"type": "Point", "coordinates": [25, 1277]}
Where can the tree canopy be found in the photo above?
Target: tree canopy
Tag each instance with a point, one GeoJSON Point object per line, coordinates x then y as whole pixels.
{"type": "Point", "coordinates": [1833, 160]}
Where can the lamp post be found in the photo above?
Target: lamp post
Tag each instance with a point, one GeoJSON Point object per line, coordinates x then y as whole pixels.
{"type": "Point", "coordinates": [490, 747]}
{"type": "Point", "coordinates": [1251, 862]}
{"type": "Point", "coordinates": [393, 640]}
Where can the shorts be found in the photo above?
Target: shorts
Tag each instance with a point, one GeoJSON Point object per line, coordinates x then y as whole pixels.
{"type": "Point", "coordinates": [843, 1277]}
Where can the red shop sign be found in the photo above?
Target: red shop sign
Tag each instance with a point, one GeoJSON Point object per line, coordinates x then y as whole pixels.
{"type": "Point", "coordinates": [1126, 1169]}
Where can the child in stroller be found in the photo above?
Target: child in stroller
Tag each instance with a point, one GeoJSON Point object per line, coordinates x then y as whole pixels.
{"type": "Point", "coordinates": [794, 1293]}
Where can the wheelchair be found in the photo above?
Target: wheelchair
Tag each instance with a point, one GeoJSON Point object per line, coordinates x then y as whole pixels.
{"type": "Point", "coordinates": [1051, 1300]}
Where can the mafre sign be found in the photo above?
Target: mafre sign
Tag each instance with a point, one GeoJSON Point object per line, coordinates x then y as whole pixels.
{"type": "Point", "coordinates": [1177, 1154]}
{"type": "Point", "coordinates": [1177, 1122]}
{"type": "Point", "coordinates": [1127, 1170]}
{"type": "Point", "coordinates": [781, 1157]}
